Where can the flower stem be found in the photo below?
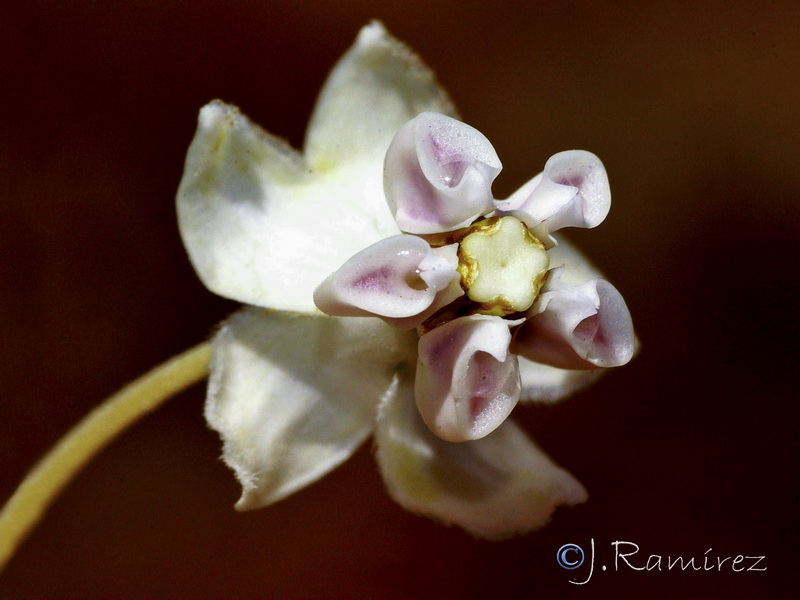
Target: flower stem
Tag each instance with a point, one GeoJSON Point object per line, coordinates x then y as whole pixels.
{"type": "Point", "coordinates": [41, 486]}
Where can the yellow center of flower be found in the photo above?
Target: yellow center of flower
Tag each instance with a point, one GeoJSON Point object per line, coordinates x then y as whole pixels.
{"type": "Point", "coordinates": [502, 266]}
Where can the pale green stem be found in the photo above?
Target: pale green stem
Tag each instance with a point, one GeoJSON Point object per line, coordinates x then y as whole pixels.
{"type": "Point", "coordinates": [42, 485]}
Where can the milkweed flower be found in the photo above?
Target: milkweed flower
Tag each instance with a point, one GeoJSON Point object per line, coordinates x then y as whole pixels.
{"type": "Point", "coordinates": [389, 294]}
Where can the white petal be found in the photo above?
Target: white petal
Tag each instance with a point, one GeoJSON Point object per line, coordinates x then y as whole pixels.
{"type": "Point", "coordinates": [467, 382]}
{"type": "Point", "coordinates": [398, 278]}
{"type": "Point", "coordinates": [573, 191]}
{"type": "Point", "coordinates": [577, 327]}
{"type": "Point", "coordinates": [261, 228]}
{"type": "Point", "coordinates": [438, 174]}
{"type": "Point", "coordinates": [377, 86]}
{"type": "Point", "coordinates": [494, 487]}
{"type": "Point", "coordinates": [294, 395]}
{"type": "Point", "coordinates": [543, 383]}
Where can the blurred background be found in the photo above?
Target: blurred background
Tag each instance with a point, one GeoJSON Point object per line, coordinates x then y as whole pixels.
{"type": "Point", "coordinates": [693, 107]}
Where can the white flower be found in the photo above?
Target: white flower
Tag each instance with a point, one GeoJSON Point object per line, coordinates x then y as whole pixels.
{"type": "Point", "coordinates": [293, 392]}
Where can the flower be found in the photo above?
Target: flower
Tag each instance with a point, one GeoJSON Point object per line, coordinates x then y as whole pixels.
{"type": "Point", "coordinates": [474, 273]}
{"type": "Point", "coordinates": [294, 392]}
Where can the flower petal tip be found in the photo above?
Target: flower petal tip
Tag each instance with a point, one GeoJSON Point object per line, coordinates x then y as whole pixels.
{"type": "Point", "coordinates": [377, 71]}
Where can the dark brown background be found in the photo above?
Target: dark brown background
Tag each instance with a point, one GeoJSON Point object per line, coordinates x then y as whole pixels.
{"type": "Point", "coordinates": [693, 106]}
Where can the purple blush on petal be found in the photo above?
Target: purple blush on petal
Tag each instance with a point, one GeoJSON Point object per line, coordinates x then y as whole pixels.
{"type": "Point", "coordinates": [452, 165]}
{"type": "Point", "coordinates": [377, 280]}
{"type": "Point", "coordinates": [574, 181]}
{"type": "Point", "coordinates": [482, 383]}
{"type": "Point", "coordinates": [589, 329]}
